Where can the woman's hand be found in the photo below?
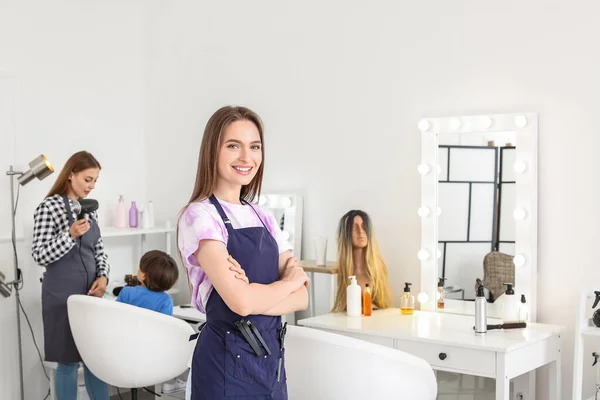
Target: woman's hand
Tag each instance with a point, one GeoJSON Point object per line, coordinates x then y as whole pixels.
{"type": "Point", "coordinates": [295, 273]}
{"type": "Point", "coordinates": [98, 287]}
{"type": "Point", "coordinates": [79, 228]}
{"type": "Point", "coordinates": [237, 268]}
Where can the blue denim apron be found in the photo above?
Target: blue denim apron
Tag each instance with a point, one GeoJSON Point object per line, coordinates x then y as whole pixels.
{"type": "Point", "coordinates": [224, 364]}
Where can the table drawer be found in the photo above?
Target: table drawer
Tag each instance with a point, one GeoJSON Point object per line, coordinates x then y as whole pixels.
{"type": "Point", "coordinates": [446, 357]}
{"type": "Point", "coordinates": [383, 341]}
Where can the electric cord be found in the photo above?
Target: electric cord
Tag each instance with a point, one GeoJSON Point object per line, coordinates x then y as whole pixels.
{"type": "Point", "coordinates": [34, 341]}
{"type": "Point", "coordinates": [119, 393]}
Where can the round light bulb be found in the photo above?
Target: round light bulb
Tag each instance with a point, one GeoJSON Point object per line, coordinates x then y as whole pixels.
{"type": "Point", "coordinates": [487, 122]}
{"type": "Point", "coordinates": [439, 211]}
{"type": "Point", "coordinates": [520, 167]}
{"type": "Point", "coordinates": [423, 255]}
{"type": "Point", "coordinates": [424, 125]}
{"type": "Point", "coordinates": [437, 296]}
{"type": "Point", "coordinates": [454, 124]}
{"type": "Point", "coordinates": [439, 169]}
{"type": "Point", "coordinates": [262, 200]}
{"type": "Point", "coordinates": [423, 298]}
{"type": "Point", "coordinates": [423, 212]}
{"type": "Point", "coordinates": [520, 121]}
{"type": "Point", "coordinates": [439, 254]}
{"type": "Point", "coordinates": [423, 169]}
{"type": "Point", "coordinates": [286, 202]}
{"type": "Point", "coordinates": [519, 260]}
{"type": "Point", "coordinates": [519, 214]}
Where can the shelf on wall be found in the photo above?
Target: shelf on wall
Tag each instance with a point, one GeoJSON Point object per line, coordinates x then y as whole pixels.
{"type": "Point", "coordinates": [110, 231]}
{"type": "Point", "coordinates": [590, 331]}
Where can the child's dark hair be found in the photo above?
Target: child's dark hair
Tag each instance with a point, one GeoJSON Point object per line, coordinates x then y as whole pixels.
{"type": "Point", "coordinates": [161, 271]}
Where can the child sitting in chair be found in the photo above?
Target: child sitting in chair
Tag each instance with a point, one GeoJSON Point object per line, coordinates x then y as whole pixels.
{"type": "Point", "coordinates": [158, 273]}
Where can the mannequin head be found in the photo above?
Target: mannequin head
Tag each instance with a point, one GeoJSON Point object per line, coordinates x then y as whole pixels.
{"type": "Point", "coordinates": [355, 232]}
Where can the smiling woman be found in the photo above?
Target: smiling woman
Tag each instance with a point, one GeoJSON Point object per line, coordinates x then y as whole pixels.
{"type": "Point", "coordinates": [240, 267]}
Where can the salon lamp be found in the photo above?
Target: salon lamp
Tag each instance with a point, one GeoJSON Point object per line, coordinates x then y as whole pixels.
{"type": "Point", "coordinates": [39, 168]}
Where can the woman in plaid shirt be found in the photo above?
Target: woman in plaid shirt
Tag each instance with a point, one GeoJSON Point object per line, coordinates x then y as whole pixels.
{"type": "Point", "coordinates": [72, 252]}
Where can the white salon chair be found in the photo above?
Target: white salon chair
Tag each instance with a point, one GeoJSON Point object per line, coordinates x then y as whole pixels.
{"type": "Point", "coordinates": [127, 346]}
{"type": "Point", "coordinates": [328, 366]}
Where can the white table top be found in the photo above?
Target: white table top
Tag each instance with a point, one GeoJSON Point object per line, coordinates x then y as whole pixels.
{"type": "Point", "coordinates": [451, 329]}
{"type": "Point", "coordinates": [189, 313]}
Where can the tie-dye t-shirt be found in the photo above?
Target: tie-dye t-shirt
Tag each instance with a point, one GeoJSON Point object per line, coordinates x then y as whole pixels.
{"type": "Point", "coordinates": [201, 221]}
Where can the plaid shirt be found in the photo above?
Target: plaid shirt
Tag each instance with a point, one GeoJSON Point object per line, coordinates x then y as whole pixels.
{"type": "Point", "coordinates": [51, 238]}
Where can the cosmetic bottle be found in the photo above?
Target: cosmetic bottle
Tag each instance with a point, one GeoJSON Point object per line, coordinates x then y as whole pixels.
{"type": "Point", "coordinates": [523, 309]}
{"type": "Point", "coordinates": [480, 312]}
{"type": "Point", "coordinates": [407, 301]}
{"type": "Point", "coordinates": [133, 215]}
{"type": "Point", "coordinates": [440, 295]}
{"type": "Point", "coordinates": [510, 310]}
{"type": "Point", "coordinates": [150, 211]}
{"type": "Point", "coordinates": [353, 298]}
{"type": "Point", "coordinates": [367, 305]}
{"type": "Point", "coordinates": [121, 213]}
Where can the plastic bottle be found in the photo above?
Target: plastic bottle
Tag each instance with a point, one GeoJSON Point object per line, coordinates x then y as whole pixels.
{"type": "Point", "coordinates": [353, 298]}
{"type": "Point", "coordinates": [440, 289]}
{"type": "Point", "coordinates": [510, 311]}
{"type": "Point", "coordinates": [150, 211]}
{"type": "Point", "coordinates": [407, 301]}
{"type": "Point", "coordinates": [133, 215]}
{"type": "Point", "coordinates": [523, 309]}
{"type": "Point", "coordinates": [367, 304]}
{"type": "Point", "coordinates": [144, 216]}
{"type": "Point", "coordinates": [121, 213]}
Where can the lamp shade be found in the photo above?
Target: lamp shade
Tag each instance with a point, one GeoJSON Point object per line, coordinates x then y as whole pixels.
{"type": "Point", "coordinates": [39, 168]}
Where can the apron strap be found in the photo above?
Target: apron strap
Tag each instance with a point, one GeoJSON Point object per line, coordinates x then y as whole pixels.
{"type": "Point", "coordinates": [224, 217]}
{"type": "Point", "coordinates": [256, 212]}
{"type": "Point", "coordinates": [195, 335]}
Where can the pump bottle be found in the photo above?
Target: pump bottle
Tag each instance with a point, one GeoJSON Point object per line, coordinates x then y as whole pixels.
{"type": "Point", "coordinates": [440, 290]}
{"type": "Point", "coordinates": [407, 301]}
{"type": "Point", "coordinates": [510, 311]}
{"type": "Point", "coordinates": [353, 298]}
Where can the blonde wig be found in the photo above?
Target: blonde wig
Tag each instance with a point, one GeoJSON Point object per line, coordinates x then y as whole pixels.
{"type": "Point", "coordinates": [381, 293]}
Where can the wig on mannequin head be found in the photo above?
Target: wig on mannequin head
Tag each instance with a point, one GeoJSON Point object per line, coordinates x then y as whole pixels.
{"type": "Point", "coordinates": [375, 267]}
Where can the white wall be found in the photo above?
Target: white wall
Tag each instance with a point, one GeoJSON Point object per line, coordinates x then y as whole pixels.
{"type": "Point", "coordinates": [341, 86]}
{"type": "Point", "coordinates": [72, 74]}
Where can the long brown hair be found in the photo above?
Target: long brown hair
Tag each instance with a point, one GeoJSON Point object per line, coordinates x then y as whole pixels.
{"type": "Point", "coordinates": [206, 175]}
{"type": "Point", "coordinates": [78, 162]}
{"type": "Point", "coordinates": [207, 172]}
{"type": "Point", "coordinates": [376, 269]}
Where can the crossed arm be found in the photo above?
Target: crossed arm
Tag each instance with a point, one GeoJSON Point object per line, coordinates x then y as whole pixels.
{"type": "Point", "coordinates": [297, 300]}
{"type": "Point", "coordinates": [286, 295]}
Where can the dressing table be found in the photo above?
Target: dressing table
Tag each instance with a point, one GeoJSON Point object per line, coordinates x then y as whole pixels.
{"type": "Point", "coordinates": [448, 343]}
{"type": "Point", "coordinates": [478, 196]}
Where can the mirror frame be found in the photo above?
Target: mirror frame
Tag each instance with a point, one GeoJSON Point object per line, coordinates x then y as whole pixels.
{"type": "Point", "coordinates": [525, 125]}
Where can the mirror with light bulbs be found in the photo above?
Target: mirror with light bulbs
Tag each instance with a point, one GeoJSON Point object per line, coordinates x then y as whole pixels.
{"type": "Point", "coordinates": [479, 174]}
{"type": "Point", "coordinates": [287, 209]}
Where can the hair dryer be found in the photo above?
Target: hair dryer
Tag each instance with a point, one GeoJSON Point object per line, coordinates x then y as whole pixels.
{"type": "Point", "coordinates": [84, 206]}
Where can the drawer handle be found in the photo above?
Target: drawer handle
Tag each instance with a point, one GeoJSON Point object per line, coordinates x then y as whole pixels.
{"type": "Point", "coordinates": [442, 356]}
